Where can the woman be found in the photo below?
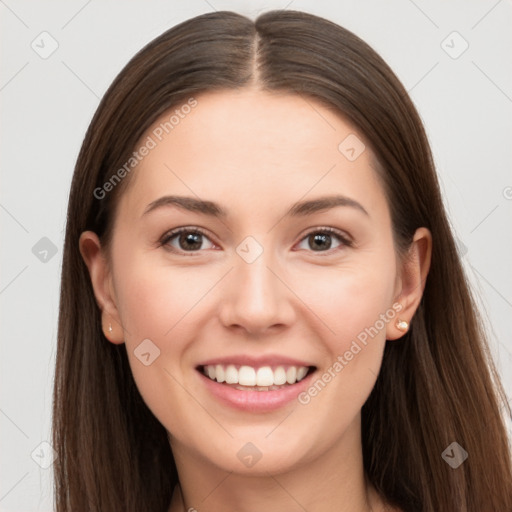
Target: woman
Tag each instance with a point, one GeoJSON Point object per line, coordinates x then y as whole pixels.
{"type": "Point", "coordinates": [262, 304]}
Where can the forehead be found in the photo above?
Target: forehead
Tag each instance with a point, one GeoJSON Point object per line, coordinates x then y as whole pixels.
{"type": "Point", "coordinates": [251, 146]}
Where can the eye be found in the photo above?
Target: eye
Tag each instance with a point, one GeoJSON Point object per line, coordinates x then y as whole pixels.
{"type": "Point", "coordinates": [188, 240]}
{"type": "Point", "coordinates": [321, 239]}
{"type": "Point", "coordinates": [192, 239]}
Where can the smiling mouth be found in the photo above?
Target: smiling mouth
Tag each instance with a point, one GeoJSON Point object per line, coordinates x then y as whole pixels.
{"type": "Point", "coordinates": [264, 378]}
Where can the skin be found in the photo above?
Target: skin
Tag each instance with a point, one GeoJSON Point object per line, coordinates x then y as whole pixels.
{"type": "Point", "coordinates": [256, 154]}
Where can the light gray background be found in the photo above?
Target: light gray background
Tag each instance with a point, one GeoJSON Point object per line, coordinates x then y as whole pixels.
{"type": "Point", "coordinates": [47, 104]}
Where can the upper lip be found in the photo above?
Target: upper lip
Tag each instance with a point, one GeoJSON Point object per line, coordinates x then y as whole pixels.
{"type": "Point", "coordinates": [255, 361]}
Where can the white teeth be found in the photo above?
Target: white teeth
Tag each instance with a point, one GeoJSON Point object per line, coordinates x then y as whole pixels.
{"type": "Point", "coordinates": [247, 376]}
{"type": "Point", "coordinates": [279, 376]}
{"type": "Point", "coordinates": [291, 375]}
{"type": "Point", "coordinates": [262, 377]}
{"type": "Point", "coordinates": [301, 372]}
{"type": "Point", "coordinates": [219, 373]}
{"type": "Point", "coordinates": [231, 375]}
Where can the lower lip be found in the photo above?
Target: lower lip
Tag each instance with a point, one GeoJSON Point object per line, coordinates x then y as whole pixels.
{"type": "Point", "coordinates": [256, 401]}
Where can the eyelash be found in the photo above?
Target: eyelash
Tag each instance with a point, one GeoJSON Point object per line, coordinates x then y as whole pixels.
{"type": "Point", "coordinates": [345, 241]}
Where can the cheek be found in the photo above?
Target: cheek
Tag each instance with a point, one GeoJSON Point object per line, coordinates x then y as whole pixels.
{"type": "Point", "coordinates": [348, 299]}
{"type": "Point", "coordinates": [353, 305]}
{"type": "Point", "coordinates": [154, 299]}
{"type": "Point", "coordinates": [158, 304]}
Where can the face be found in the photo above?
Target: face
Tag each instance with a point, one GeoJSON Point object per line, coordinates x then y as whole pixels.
{"type": "Point", "coordinates": [263, 287]}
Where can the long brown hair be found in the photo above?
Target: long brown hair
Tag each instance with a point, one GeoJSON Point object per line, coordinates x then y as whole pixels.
{"type": "Point", "coordinates": [436, 386]}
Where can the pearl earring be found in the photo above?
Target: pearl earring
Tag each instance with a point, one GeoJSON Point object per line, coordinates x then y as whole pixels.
{"type": "Point", "coordinates": [109, 327]}
{"type": "Point", "coordinates": [402, 325]}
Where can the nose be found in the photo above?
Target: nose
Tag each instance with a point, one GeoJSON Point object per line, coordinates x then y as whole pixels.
{"type": "Point", "coordinates": [256, 297]}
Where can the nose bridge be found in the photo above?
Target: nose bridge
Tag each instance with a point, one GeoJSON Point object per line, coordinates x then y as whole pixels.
{"type": "Point", "coordinates": [257, 298]}
{"type": "Point", "coordinates": [258, 283]}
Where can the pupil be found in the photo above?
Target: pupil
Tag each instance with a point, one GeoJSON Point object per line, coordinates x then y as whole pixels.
{"type": "Point", "coordinates": [322, 238]}
{"type": "Point", "coordinates": [191, 238]}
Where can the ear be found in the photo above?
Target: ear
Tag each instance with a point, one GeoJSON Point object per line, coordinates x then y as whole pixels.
{"type": "Point", "coordinates": [101, 280]}
{"type": "Point", "coordinates": [412, 277]}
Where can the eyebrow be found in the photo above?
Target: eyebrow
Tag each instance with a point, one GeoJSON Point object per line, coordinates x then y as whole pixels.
{"type": "Point", "coordinates": [213, 209]}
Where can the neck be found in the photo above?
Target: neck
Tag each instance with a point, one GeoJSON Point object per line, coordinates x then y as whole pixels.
{"type": "Point", "coordinates": [331, 481]}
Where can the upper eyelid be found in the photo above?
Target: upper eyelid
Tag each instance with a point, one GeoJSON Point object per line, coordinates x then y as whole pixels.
{"type": "Point", "coordinates": [177, 231]}
{"type": "Point", "coordinates": [342, 236]}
